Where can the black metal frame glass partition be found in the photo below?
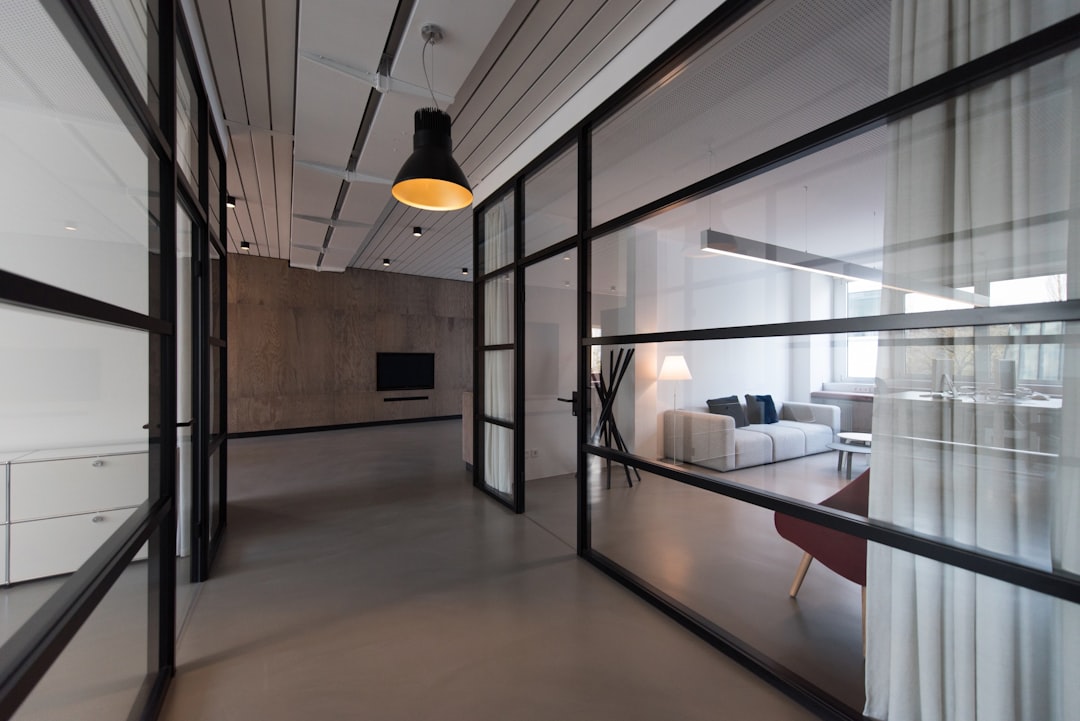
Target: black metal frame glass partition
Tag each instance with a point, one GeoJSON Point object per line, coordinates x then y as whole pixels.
{"type": "Point", "coordinates": [88, 293]}
{"type": "Point", "coordinates": [511, 236]}
{"type": "Point", "coordinates": [733, 198]}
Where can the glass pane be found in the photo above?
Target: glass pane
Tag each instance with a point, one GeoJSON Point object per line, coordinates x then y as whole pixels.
{"type": "Point", "coordinates": [551, 203]}
{"type": "Point", "coordinates": [213, 279]}
{"type": "Point", "coordinates": [187, 120]}
{"type": "Point", "coordinates": [551, 354]}
{"type": "Point", "coordinates": [726, 561]}
{"type": "Point", "coordinates": [216, 366]}
{"type": "Point", "coordinates": [499, 385]}
{"type": "Point", "coordinates": [497, 234]}
{"type": "Point", "coordinates": [214, 195]}
{"type": "Point", "coordinates": [73, 446]}
{"type": "Point", "coordinates": [81, 684]}
{"type": "Point", "coordinates": [498, 447]}
{"type": "Point", "coordinates": [785, 69]}
{"type": "Point", "coordinates": [214, 491]}
{"type": "Point", "coordinates": [133, 29]}
{"type": "Point", "coordinates": [892, 215]}
{"type": "Point", "coordinates": [499, 310]}
{"type": "Point", "coordinates": [77, 188]}
{"type": "Point", "coordinates": [944, 423]}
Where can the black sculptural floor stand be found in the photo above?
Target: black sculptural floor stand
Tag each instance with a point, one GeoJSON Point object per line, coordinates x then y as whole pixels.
{"type": "Point", "coordinates": [606, 389]}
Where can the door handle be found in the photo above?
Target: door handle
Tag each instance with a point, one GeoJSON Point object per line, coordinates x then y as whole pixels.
{"type": "Point", "coordinates": [572, 400]}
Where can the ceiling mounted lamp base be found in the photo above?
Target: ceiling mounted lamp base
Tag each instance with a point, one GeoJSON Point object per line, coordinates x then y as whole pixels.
{"type": "Point", "coordinates": [431, 179]}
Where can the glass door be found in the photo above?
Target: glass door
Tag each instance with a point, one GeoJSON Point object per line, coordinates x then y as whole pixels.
{"type": "Point", "coordinates": [551, 401]}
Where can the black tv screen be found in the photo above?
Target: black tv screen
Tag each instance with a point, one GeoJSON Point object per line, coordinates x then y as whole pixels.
{"type": "Point", "coordinates": [404, 371]}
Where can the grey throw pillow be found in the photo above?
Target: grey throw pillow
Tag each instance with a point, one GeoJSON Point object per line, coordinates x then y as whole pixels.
{"type": "Point", "coordinates": [728, 406]}
{"type": "Point", "coordinates": [753, 410]}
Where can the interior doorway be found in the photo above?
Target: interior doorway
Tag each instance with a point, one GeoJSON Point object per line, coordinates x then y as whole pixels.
{"type": "Point", "coordinates": [550, 353]}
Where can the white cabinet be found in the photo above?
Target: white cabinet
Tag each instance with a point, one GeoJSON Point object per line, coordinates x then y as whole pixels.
{"type": "Point", "coordinates": [44, 489]}
{"type": "Point", "coordinates": [52, 546]}
{"type": "Point", "coordinates": [61, 505]}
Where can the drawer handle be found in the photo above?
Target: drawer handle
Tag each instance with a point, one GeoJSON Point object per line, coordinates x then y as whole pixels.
{"type": "Point", "coordinates": [98, 463]}
{"type": "Point", "coordinates": [97, 519]}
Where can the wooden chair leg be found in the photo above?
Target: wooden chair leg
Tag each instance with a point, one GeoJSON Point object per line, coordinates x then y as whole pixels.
{"type": "Point", "coordinates": [804, 566]}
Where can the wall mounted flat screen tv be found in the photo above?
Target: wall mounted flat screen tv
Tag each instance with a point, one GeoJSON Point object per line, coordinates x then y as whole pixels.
{"type": "Point", "coordinates": [404, 371]}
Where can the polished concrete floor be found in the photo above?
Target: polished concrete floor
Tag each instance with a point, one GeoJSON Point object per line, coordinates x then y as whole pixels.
{"type": "Point", "coordinates": [363, 577]}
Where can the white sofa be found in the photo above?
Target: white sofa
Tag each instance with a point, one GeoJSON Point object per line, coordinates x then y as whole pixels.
{"type": "Point", "coordinates": [712, 440]}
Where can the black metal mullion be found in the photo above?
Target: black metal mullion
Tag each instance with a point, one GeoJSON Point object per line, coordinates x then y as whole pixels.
{"type": "Point", "coordinates": [35, 295]}
{"type": "Point", "coordinates": [478, 354]}
{"type": "Point", "coordinates": [162, 610]}
{"type": "Point", "coordinates": [1068, 310]}
{"type": "Point", "coordinates": [584, 321]}
{"type": "Point", "coordinates": [519, 347]}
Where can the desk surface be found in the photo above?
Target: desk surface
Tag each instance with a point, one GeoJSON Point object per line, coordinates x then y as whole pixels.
{"type": "Point", "coordinates": [980, 399]}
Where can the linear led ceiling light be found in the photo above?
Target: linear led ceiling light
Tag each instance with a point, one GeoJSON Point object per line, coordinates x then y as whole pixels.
{"type": "Point", "coordinates": [713, 241]}
{"type": "Point", "coordinates": [430, 178]}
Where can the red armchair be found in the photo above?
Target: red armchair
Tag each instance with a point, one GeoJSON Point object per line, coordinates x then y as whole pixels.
{"type": "Point", "coordinates": [838, 551]}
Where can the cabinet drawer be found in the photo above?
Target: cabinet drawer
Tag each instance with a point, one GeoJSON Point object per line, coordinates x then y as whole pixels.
{"type": "Point", "coordinates": [60, 545]}
{"type": "Point", "coordinates": [41, 489]}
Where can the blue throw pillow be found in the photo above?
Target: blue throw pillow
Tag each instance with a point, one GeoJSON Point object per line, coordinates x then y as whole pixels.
{"type": "Point", "coordinates": [768, 409]}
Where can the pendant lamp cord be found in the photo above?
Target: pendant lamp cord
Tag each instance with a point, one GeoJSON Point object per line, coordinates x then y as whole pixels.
{"type": "Point", "coordinates": [423, 63]}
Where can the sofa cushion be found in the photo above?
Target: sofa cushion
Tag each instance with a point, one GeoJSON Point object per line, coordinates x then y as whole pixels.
{"type": "Point", "coordinates": [751, 449]}
{"type": "Point", "coordinates": [728, 406]}
{"type": "Point", "coordinates": [818, 436]}
{"type": "Point", "coordinates": [787, 442]}
{"type": "Point", "coordinates": [761, 409]}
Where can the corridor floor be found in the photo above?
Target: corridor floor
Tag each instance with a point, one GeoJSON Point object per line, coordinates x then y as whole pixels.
{"type": "Point", "coordinates": [363, 577]}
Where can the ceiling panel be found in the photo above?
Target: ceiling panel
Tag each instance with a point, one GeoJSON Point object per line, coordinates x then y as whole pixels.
{"type": "Point", "coordinates": [250, 31]}
{"type": "Point", "coordinates": [328, 110]}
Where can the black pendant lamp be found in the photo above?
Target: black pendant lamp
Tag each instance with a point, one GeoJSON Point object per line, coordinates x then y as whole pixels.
{"type": "Point", "coordinates": [430, 178]}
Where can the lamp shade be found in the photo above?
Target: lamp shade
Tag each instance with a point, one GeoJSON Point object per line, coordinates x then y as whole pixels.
{"type": "Point", "coordinates": [430, 178]}
{"type": "Point", "coordinates": [674, 368]}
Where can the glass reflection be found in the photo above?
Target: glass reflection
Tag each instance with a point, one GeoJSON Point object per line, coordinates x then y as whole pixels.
{"type": "Point", "coordinates": [551, 203]}
{"type": "Point", "coordinates": [725, 561]}
{"type": "Point", "coordinates": [79, 685]}
{"type": "Point", "coordinates": [77, 188]}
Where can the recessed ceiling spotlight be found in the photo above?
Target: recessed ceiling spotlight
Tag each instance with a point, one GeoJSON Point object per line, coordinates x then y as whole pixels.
{"type": "Point", "coordinates": [464, 271]}
{"type": "Point", "coordinates": [230, 201]}
{"type": "Point", "coordinates": [70, 225]}
{"type": "Point", "coordinates": [417, 231]}
{"type": "Point", "coordinates": [245, 246]}
{"type": "Point", "coordinates": [386, 261]}
{"type": "Point", "coordinates": [566, 257]}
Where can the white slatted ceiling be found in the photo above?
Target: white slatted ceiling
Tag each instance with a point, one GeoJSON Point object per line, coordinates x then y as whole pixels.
{"type": "Point", "coordinates": [542, 53]}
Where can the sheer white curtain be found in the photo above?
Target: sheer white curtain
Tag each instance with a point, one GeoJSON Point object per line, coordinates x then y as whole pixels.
{"type": "Point", "coordinates": [943, 643]}
{"type": "Point", "coordinates": [499, 364]}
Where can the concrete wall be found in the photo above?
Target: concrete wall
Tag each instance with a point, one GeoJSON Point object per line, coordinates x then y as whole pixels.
{"type": "Point", "coordinates": [302, 344]}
